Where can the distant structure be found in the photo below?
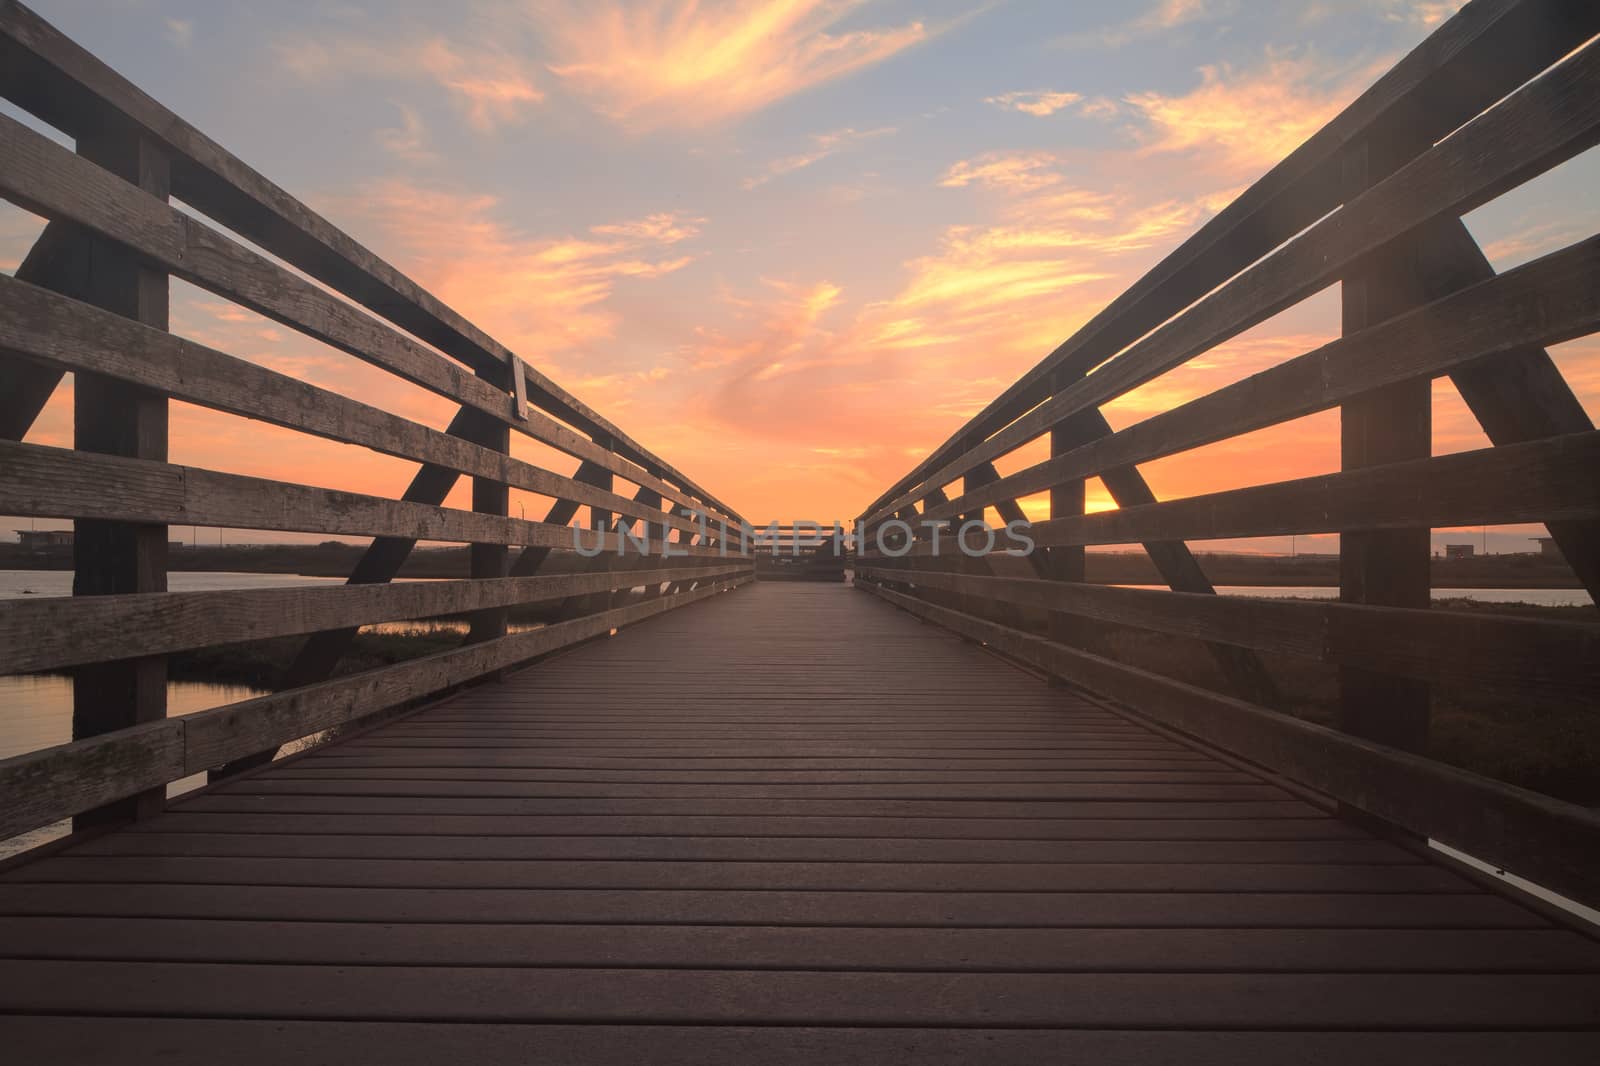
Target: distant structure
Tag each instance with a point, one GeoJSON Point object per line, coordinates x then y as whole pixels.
{"type": "Point", "coordinates": [1460, 551]}
{"type": "Point", "coordinates": [40, 539]}
{"type": "Point", "coordinates": [1548, 548]}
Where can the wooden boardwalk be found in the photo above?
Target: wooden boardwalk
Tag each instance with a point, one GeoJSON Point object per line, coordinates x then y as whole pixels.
{"type": "Point", "coordinates": [858, 839]}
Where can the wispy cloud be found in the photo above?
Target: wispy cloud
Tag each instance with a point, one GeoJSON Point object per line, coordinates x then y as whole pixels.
{"type": "Point", "coordinates": [492, 86]}
{"type": "Point", "coordinates": [688, 63]}
{"type": "Point", "coordinates": [823, 145]}
{"type": "Point", "coordinates": [180, 32]}
{"type": "Point", "coordinates": [1039, 102]}
{"type": "Point", "coordinates": [543, 295]}
{"type": "Point", "coordinates": [409, 140]}
{"type": "Point", "coordinates": [1165, 16]}
{"type": "Point", "coordinates": [1242, 121]}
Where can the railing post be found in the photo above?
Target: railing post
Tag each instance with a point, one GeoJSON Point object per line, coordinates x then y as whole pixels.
{"type": "Point", "coordinates": [494, 498]}
{"type": "Point", "coordinates": [1392, 424]}
{"type": "Point", "coordinates": [116, 419]}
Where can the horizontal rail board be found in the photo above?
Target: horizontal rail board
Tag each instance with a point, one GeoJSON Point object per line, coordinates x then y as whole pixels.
{"type": "Point", "coordinates": [40, 481]}
{"type": "Point", "coordinates": [1544, 480]}
{"type": "Point", "coordinates": [43, 325]}
{"type": "Point", "coordinates": [1548, 841]}
{"type": "Point", "coordinates": [49, 633]}
{"type": "Point", "coordinates": [1540, 659]}
{"type": "Point", "coordinates": [45, 786]}
{"type": "Point", "coordinates": [1550, 300]}
{"type": "Point", "coordinates": [1548, 121]}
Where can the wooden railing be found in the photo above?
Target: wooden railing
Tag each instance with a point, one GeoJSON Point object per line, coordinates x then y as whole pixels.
{"type": "Point", "coordinates": [1501, 93]}
{"type": "Point", "coordinates": [91, 299]}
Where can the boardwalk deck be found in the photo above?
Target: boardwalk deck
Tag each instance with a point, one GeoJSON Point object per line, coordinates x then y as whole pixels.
{"type": "Point", "coordinates": [857, 839]}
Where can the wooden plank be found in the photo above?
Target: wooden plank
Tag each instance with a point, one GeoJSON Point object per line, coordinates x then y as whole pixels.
{"type": "Point", "coordinates": [110, 556]}
{"type": "Point", "coordinates": [1120, 829]}
{"type": "Point", "coordinates": [70, 88]}
{"type": "Point", "coordinates": [51, 782]}
{"type": "Point", "coordinates": [766, 948]}
{"type": "Point", "coordinates": [1548, 841]}
{"type": "Point", "coordinates": [750, 876]}
{"type": "Point", "coordinates": [773, 907]}
{"type": "Point", "coordinates": [1546, 301]}
{"type": "Point", "coordinates": [81, 1041]}
{"type": "Point", "coordinates": [45, 633]}
{"type": "Point", "coordinates": [1541, 125]}
{"type": "Point", "coordinates": [37, 480]}
{"type": "Point", "coordinates": [1540, 660]}
{"type": "Point", "coordinates": [1476, 57]}
{"type": "Point", "coordinates": [1330, 1001]}
{"type": "Point", "coordinates": [743, 849]}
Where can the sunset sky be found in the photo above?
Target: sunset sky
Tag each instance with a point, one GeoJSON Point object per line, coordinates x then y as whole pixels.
{"type": "Point", "coordinates": [789, 245]}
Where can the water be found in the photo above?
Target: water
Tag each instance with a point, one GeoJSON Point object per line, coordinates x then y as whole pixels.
{"type": "Point", "coordinates": [1539, 597]}
{"type": "Point", "coordinates": [15, 583]}
{"type": "Point", "coordinates": [36, 712]}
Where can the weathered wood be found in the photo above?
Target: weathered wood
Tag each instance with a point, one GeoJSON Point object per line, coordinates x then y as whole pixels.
{"type": "Point", "coordinates": [489, 561]}
{"type": "Point", "coordinates": [1554, 843]}
{"type": "Point", "coordinates": [83, 1041]}
{"type": "Point", "coordinates": [1484, 52]}
{"type": "Point", "coordinates": [64, 333]}
{"type": "Point", "coordinates": [54, 783]}
{"type": "Point", "coordinates": [37, 480]}
{"type": "Point", "coordinates": [48, 633]}
{"type": "Point", "coordinates": [1517, 394]}
{"type": "Point", "coordinates": [1538, 660]}
{"type": "Point", "coordinates": [112, 556]}
{"type": "Point", "coordinates": [71, 89]}
{"type": "Point", "coordinates": [1541, 125]}
{"type": "Point", "coordinates": [46, 178]}
{"type": "Point", "coordinates": [1532, 482]}
{"type": "Point", "coordinates": [1393, 424]}
{"type": "Point", "coordinates": [1546, 301]}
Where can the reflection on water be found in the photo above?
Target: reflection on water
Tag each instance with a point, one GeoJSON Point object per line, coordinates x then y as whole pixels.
{"type": "Point", "coordinates": [1539, 597]}
{"type": "Point", "coordinates": [36, 712]}
{"type": "Point", "coordinates": [15, 583]}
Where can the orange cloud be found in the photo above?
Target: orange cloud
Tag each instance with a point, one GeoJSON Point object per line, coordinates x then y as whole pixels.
{"type": "Point", "coordinates": [1241, 123]}
{"type": "Point", "coordinates": [1166, 15]}
{"type": "Point", "coordinates": [823, 146]}
{"type": "Point", "coordinates": [1038, 103]}
{"type": "Point", "coordinates": [686, 63]}
{"type": "Point", "coordinates": [492, 86]}
{"type": "Point", "coordinates": [544, 296]}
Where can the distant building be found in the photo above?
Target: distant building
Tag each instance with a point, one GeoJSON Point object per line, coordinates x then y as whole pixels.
{"type": "Point", "coordinates": [38, 540]}
{"type": "Point", "coordinates": [1460, 551]}
{"type": "Point", "coordinates": [1549, 549]}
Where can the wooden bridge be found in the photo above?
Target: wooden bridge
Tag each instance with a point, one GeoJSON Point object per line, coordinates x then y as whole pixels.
{"type": "Point", "coordinates": [930, 818]}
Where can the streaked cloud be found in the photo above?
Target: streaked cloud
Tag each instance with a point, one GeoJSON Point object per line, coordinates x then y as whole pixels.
{"type": "Point", "coordinates": [491, 86]}
{"type": "Point", "coordinates": [1243, 121]}
{"type": "Point", "coordinates": [407, 141]}
{"type": "Point", "coordinates": [686, 63]}
{"type": "Point", "coordinates": [1165, 16]}
{"type": "Point", "coordinates": [1039, 102]}
{"type": "Point", "coordinates": [823, 145]}
{"type": "Point", "coordinates": [543, 295]}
